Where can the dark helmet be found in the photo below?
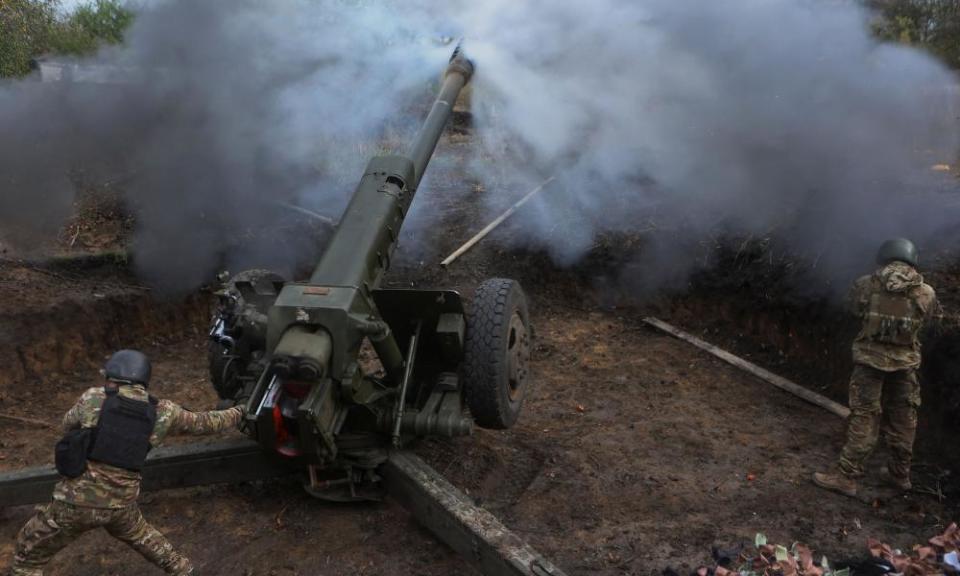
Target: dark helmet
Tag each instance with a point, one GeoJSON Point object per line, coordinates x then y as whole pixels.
{"type": "Point", "coordinates": [898, 249]}
{"type": "Point", "coordinates": [128, 367]}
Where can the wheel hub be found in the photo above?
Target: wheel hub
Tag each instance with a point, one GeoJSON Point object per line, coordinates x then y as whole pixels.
{"type": "Point", "coordinates": [518, 355]}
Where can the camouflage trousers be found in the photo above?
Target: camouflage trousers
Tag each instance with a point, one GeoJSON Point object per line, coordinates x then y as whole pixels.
{"type": "Point", "coordinates": [881, 402]}
{"type": "Point", "coordinates": [58, 524]}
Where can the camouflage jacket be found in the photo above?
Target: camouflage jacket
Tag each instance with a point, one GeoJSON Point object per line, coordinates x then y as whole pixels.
{"type": "Point", "coordinates": [104, 486]}
{"type": "Point", "coordinates": [894, 304]}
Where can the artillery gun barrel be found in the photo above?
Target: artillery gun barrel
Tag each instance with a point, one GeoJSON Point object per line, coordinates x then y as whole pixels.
{"type": "Point", "coordinates": [298, 345]}
{"type": "Point", "coordinates": [456, 77]}
{"type": "Point", "coordinates": [359, 252]}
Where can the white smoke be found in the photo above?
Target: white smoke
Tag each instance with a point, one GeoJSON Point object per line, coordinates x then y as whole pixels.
{"type": "Point", "coordinates": [745, 117]}
{"type": "Point", "coordinates": [778, 117]}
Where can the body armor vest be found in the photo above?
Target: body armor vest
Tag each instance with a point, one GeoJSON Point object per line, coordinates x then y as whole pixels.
{"type": "Point", "coordinates": [893, 317]}
{"type": "Point", "coordinates": [122, 436]}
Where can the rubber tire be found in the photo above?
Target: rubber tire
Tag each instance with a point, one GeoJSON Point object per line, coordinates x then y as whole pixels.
{"type": "Point", "coordinates": [218, 362]}
{"type": "Point", "coordinates": [486, 365]}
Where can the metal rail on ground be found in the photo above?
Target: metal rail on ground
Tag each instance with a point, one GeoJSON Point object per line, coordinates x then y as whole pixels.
{"type": "Point", "coordinates": [469, 530]}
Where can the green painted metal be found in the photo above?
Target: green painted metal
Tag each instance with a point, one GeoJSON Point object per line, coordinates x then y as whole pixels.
{"type": "Point", "coordinates": [314, 330]}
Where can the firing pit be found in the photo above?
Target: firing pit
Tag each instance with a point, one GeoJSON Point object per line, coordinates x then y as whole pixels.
{"type": "Point", "coordinates": [635, 451]}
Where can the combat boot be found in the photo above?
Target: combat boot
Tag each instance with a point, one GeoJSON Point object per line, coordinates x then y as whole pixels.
{"type": "Point", "coordinates": [837, 482]}
{"type": "Point", "coordinates": [900, 482]}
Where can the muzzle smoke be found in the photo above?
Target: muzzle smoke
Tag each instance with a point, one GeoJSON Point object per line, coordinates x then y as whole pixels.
{"type": "Point", "coordinates": [691, 119]}
{"type": "Point", "coordinates": [212, 113]}
{"type": "Point", "coordinates": [779, 118]}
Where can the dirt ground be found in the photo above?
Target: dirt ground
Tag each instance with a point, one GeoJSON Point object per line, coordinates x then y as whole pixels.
{"type": "Point", "coordinates": [633, 454]}
{"type": "Point", "coordinates": [635, 451]}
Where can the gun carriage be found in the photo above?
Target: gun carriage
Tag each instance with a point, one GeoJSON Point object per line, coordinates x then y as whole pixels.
{"type": "Point", "coordinates": [292, 350]}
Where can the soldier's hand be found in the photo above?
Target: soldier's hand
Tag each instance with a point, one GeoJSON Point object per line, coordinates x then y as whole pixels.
{"type": "Point", "coordinates": [238, 402]}
{"type": "Point", "coordinates": [241, 401]}
{"type": "Point", "coordinates": [242, 423]}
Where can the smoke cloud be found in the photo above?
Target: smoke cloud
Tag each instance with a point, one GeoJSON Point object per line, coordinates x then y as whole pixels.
{"type": "Point", "coordinates": [212, 113]}
{"type": "Point", "coordinates": [693, 119]}
{"type": "Point", "coordinates": [688, 119]}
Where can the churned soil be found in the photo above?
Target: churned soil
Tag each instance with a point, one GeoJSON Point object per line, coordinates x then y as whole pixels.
{"type": "Point", "coordinates": [635, 452]}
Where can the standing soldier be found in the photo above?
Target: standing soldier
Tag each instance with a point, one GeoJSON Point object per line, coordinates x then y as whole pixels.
{"type": "Point", "coordinates": [894, 303]}
{"type": "Point", "coordinates": [113, 426]}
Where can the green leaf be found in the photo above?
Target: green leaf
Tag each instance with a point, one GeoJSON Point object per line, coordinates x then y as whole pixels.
{"type": "Point", "coordinates": [844, 572]}
{"type": "Point", "coordinates": [824, 563]}
{"type": "Point", "coordinates": [760, 540]}
{"type": "Point", "coordinates": [781, 553]}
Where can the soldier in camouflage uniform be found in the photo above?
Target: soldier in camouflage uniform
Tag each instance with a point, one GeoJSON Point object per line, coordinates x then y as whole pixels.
{"type": "Point", "coordinates": [104, 495]}
{"type": "Point", "coordinates": [894, 304]}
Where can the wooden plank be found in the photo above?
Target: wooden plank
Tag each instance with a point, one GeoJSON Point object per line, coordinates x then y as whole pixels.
{"type": "Point", "coordinates": [778, 381]}
{"type": "Point", "coordinates": [238, 460]}
{"type": "Point", "coordinates": [469, 530]}
{"type": "Point", "coordinates": [28, 421]}
{"type": "Point", "coordinates": [477, 535]}
{"type": "Point", "coordinates": [498, 221]}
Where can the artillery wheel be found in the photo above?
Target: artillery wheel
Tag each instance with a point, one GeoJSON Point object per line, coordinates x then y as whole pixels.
{"type": "Point", "coordinates": [223, 370]}
{"type": "Point", "coordinates": [221, 360]}
{"type": "Point", "coordinates": [497, 353]}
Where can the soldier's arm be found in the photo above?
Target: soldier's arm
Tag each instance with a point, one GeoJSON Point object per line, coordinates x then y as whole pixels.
{"type": "Point", "coordinates": [936, 319]}
{"type": "Point", "coordinates": [859, 297]}
{"type": "Point", "coordinates": [936, 312]}
{"type": "Point", "coordinates": [939, 318]}
{"type": "Point", "coordinates": [74, 416]}
{"type": "Point", "coordinates": [184, 421]}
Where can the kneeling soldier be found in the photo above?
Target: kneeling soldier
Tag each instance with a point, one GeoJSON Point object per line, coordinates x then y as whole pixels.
{"type": "Point", "coordinates": [109, 432]}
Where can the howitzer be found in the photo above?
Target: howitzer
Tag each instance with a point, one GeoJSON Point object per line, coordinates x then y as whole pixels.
{"type": "Point", "coordinates": [293, 350]}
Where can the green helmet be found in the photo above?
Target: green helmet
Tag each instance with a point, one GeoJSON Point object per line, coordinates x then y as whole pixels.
{"type": "Point", "coordinates": [128, 367]}
{"type": "Point", "coordinates": [898, 249]}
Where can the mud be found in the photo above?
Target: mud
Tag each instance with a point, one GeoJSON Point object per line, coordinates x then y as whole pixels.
{"type": "Point", "coordinates": [807, 338]}
{"type": "Point", "coordinates": [635, 452]}
{"type": "Point", "coordinates": [63, 317]}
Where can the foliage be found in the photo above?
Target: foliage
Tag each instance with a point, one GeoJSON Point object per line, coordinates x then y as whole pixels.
{"type": "Point", "coordinates": [29, 28]}
{"type": "Point", "coordinates": [103, 21]}
{"type": "Point", "coordinates": [25, 27]}
{"type": "Point", "coordinates": [937, 556]}
{"type": "Point", "coordinates": [932, 24]}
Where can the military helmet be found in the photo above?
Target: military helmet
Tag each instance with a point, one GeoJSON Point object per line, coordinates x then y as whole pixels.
{"type": "Point", "coordinates": [898, 249]}
{"type": "Point", "coordinates": [128, 367]}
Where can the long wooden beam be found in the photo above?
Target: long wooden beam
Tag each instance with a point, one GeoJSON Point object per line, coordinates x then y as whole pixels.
{"type": "Point", "coordinates": [469, 530]}
{"type": "Point", "coordinates": [778, 381]}
{"type": "Point", "coordinates": [239, 460]}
